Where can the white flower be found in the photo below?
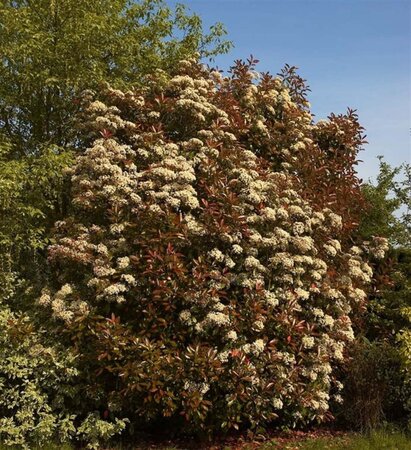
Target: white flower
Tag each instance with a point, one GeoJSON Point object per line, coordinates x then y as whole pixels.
{"type": "Point", "coordinates": [204, 388]}
{"type": "Point", "coordinates": [308, 341]}
{"type": "Point", "coordinates": [109, 189]}
{"type": "Point", "coordinates": [328, 320]}
{"type": "Point", "coordinates": [338, 398]}
{"type": "Point", "coordinates": [231, 336]}
{"type": "Point", "coordinates": [332, 293]}
{"type": "Point", "coordinates": [217, 318]}
{"type": "Point", "coordinates": [379, 247]}
{"type": "Point", "coordinates": [123, 262]}
{"type": "Point", "coordinates": [339, 386]}
{"type": "Point", "coordinates": [318, 312]}
{"type": "Point", "coordinates": [237, 249]}
{"type": "Point", "coordinates": [216, 254]}
{"type": "Point", "coordinates": [277, 403]}
{"type": "Point", "coordinates": [298, 228]}
{"type": "Point", "coordinates": [271, 299]}
{"type": "Point", "coordinates": [301, 293]}
{"type": "Point", "coordinates": [296, 211]}
{"type": "Point", "coordinates": [282, 214]}
{"type": "Point", "coordinates": [257, 347]}
{"type": "Point", "coordinates": [223, 356]}
{"type": "Point", "coordinates": [356, 251]}
{"type": "Point", "coordinates": [45, 298]}
{"type": "Point", "coordinates": [258, 325]}
{"type": "Point", "coordinates": [64, 291]}
{"type": "Point", "coordinates": [185, 316]}
{"type": "Point", "coordinates": [252, 263]}
{"type": "Point", "coordinates": [229, 262]}
{"type": "Point", "coordinates": [269, 213]}
{"type": "Point", "coordinates": [303, 243]}
{"type": "Point", "coordinates": [102, 249]}
{"type": "Point", "coordinates": [102, 271]}
{"type": "Point", "coordinates": [129, 279]}
{"type": "Point", "coordinates": [115, 289]}
{"type": "Point", "coordinates": [335, 220]}
{"type": "Point", "coordinates": [330, 250]}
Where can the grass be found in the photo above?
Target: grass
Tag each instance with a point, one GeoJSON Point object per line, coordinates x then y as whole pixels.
{"type": "Point", "coordinates": [376, 440]}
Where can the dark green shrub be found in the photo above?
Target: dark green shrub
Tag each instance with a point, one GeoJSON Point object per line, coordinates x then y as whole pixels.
{"type": "Point", "coordinates": [375, 385]}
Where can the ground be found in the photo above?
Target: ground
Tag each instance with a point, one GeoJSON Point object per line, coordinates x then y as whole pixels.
{"type": "Point", "coordinates": [315, 440]}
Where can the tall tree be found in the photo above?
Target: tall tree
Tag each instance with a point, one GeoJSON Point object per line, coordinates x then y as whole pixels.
{"type": "Point", "coordinates": [53, 49]}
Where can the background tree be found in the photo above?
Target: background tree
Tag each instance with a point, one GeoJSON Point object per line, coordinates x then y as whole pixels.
{"type": "Point", "coordinates": [51, 50]}
{"type": "Point", "coordinates": [389, 205]}
{"type": "Point", "coordinates": [388, 214]}
{"type": "Point", "coordinates": [379, 374]}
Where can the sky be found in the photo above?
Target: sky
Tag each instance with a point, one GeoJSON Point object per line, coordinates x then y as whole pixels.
{"type": "Point", "coordinates": [353, 53]}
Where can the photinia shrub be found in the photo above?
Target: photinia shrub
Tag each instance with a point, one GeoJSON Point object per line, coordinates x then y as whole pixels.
{"type": "Point", "coordinates": [205, 275]}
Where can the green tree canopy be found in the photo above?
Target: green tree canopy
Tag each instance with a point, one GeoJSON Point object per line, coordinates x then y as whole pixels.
{"type": "Point", "coordinates": [389, 205]}
{"type": "Point", "coordinates": [53, 49]}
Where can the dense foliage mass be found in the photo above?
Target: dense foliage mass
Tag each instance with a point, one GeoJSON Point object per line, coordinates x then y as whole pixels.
{"type": "Point", "coordinates": [39, 385]}
{"type": "Point", "coordinates": [214, 262]}
{"type": "Point", "coordinates": [50, 51]}
{"type": "Point", "coordinates": [53, 49]}
{"type": "Point", "coordinates": [196, 275]}
{"type": "Point", "coordinates": [381, 357]}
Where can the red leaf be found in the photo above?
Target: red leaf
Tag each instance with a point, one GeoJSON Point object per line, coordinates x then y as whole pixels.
{"type": "Point", "coordinates": [106, 134]}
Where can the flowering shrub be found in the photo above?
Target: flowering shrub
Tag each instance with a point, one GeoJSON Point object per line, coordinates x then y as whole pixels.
{"type": "Point", "coordinates": [205, 273]}
{"type": "Point", "coordinates": [33, 382]}
{"type": "Point", "coordinates": [38, 384]}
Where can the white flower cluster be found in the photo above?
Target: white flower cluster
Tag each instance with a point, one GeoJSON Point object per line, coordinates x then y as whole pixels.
{"type": "Point", "coordinates": [62, 306]}
{"type": "Point", "coordinates": [202, 388]}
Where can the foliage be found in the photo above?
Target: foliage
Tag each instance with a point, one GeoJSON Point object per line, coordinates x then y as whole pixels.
{"type": "Point", "coordinates": [34, 379]}
{"type": "Point", "coordinates": [54, 49]}
{"type": "Point", "coordinates": [389, 205]}
{"type": "Point", "coordinates": [96, 430]}
{"type": "Point", "coordinates": [39, 389]}
{"type": "Point", "coordinates": [51, 50]}
{"type": "Point", "coordinates": [388, 214]}
{"type": "Point", "coordinates": [376, 389]}
{"type": "Point", "coordinates": [30, 197]}
{"type": "Point", "coordinates": [386, 314]}
{"type": "Point", "coordinates": [196, 275]}
{"type": "Point", "coordinates": [217, 246]}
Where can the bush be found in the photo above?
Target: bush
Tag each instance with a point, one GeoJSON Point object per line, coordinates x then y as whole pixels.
{"type": "Point", "coordinates": [39, 390]}
{"type": "Point", "coordinates": [376, 388]}
{"type": "Point", "coordinates": [205, 274]}
{"type": "Point", "coordinates": [34, 381]}
{"type": "Point", "coordinates": [387, 319]}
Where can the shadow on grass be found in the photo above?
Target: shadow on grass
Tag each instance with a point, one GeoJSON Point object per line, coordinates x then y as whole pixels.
{"type": "Point", "coordinates": [376, 440]}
